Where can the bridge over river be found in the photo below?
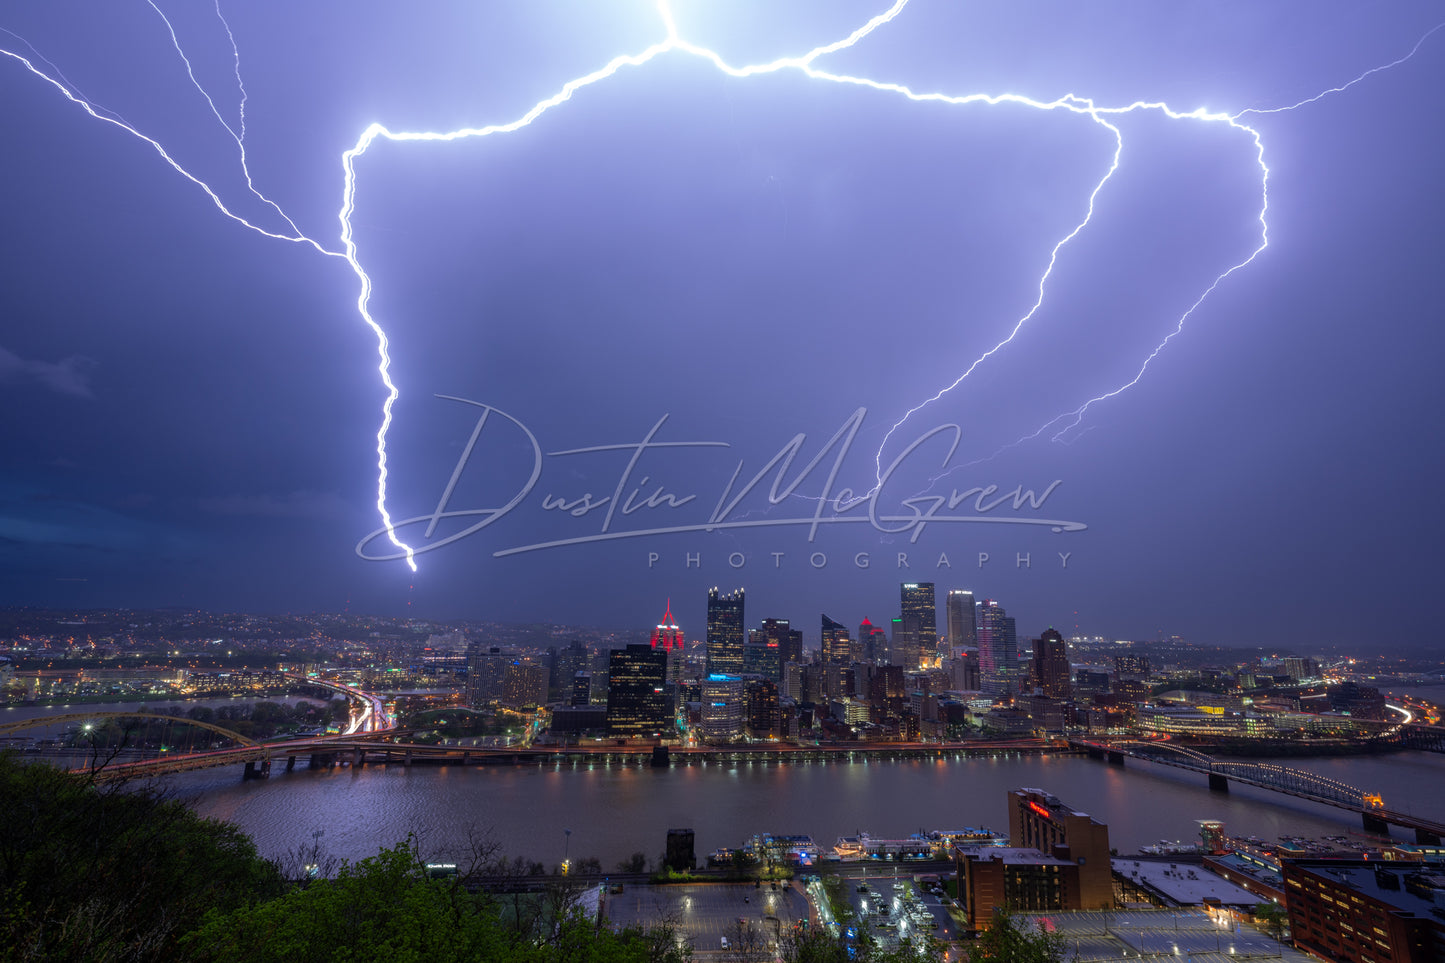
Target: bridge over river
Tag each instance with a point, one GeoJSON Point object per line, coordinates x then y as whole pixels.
{"type": "Point", "coordinates": [1267, 775]}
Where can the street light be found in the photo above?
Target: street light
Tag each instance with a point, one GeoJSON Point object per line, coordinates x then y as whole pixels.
{"type": "Point", "coordinates": [566, 850]}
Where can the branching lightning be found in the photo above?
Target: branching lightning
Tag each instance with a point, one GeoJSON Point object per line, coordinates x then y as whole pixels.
{"type": "Point", "coordinates": [239, 138]}
{"type": "Point", "coordinates": [1102, 116]}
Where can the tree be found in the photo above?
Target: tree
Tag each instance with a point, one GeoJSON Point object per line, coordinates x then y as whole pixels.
{"type": "Point", "coordinates": [1010, 940]}
{"type": "Point", "coordinates": [820, 946]}
{"type": "Point", "coordinates": [1273, 916]}
{"type": "Point", "coordinates": [109, 874]}
{"type": "Point", "coordinates": [385, 908]}
{"type": "Point", "coordinates": [636, 863]}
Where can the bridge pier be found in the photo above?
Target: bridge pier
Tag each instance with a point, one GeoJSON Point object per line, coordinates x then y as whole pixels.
{"type": "Point", "coordinates": [1426, 838]}
{"type": "Point", "coordinates": [322, 760]}
{"type": "Point", "coordinates": [1218, 783]}
{"type": "Point", "coordinates": [661, 757]}
{"type": "Point", "coordinates": [1374, 824]}
{"type": "Point", "coordinates": [407, 761]}
{"type": "Point", "coordinates": [253, 771]}
{"type": "Point", "coordinates": [1115, 758]}
{"type": "Point", "coordinates": [358, 758]}
{"type": "Point", "coordinates": [290, 763]}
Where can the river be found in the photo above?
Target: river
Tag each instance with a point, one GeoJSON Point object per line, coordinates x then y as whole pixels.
{"type": "Point", "coordinates": [615, 811]}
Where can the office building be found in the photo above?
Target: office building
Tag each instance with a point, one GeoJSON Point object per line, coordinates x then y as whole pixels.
{"type": "Point", "coordinates": [998, 660]}
{"type": "Point", "coordinates": [637, 703]}
{"type": "Point", "coordinates": [725, 632]}
{"type": "Point", "coordinates": [917, 602]}
{"type": "Point", "coordinates": [667, 635]}
{"type": "Point", "coordinates": [837, 648]}
{"type": "Point", "coordinates": [485, 668]}
{"type": "Point", "coordinates": [788, 641]}
{"type": "Point", "coordinates": [903, 643]}
{"type": "Point", "coordinates": [1135, 667]}
{"type": "Point", "coordinates": [566, 663]}
{"type": "Point", "coordinates": [770, 647]}
{"type": "Point", "coordinates": [1051, 667]}
{"type": "Point", "coordinates": [872, 642]}
{"type": "Point", "coordinates": [762, 655]}
{"type": "Point", "coordinates": [581, 688]}
{"type": "Point", "coordinates": [963, 673]}
{"type": "Point", "coordinates": [761, 706]}
{"type": "Point", "coordinates": [959, 610]}
{"type": "Point", "coordinates": [524, 685]}
{"type": "Point", "coordinates": [722, 708]}
{"type": "Point", "coordinates": [1364, 911]}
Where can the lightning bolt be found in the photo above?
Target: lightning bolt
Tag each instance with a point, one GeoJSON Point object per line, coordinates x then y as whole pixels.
{"type": "Point", "coordinates": [1102, 116]}
{"type": "Point", "coordinates": [239, 138]}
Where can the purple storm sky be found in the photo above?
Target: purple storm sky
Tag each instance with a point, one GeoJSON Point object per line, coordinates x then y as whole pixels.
{"type": "Point", "coordinates": [193, 405]}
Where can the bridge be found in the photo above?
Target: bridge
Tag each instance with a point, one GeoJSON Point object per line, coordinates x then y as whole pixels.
{"type": "Point", "coordinates": [1418, 736]}
{"type": "Point", "coordinates": [358, 750]}
{"type": "Point", "coordinates": [1265, 775]}
{"type": "Point", "coordinates": [371, 723]}
{"type": "Point", "coordinates": [387, 746]}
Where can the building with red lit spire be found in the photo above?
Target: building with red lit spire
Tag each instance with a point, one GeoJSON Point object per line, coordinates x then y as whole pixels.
{"type": "Point", "coordinates": [667, 635]}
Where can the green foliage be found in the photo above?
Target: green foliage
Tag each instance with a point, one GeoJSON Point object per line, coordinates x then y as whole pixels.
{"type": "Point", "coordinates": [838, 903]}
{"type": "Point", "coordinates": [820, 946]}
{"type": "Point", "coordinates": [1273, 917]}
{"type": "Point", "coordinates": [385, 908]}
{"type": "Point", "coordinates": [91, 874]}
{"type": "Point", "coordinates": [1010, 940]}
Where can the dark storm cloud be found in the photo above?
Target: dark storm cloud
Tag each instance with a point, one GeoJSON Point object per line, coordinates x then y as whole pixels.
{"type": "Point", "coordinates": [755, 259]}
{"type": "Point", "coordinates": [68, 376]}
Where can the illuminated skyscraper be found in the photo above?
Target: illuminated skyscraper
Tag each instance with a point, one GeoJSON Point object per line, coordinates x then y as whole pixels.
{"type": "Point", "coordinates": [763, 654]}
{"type": "Point", "coordinates": [919, 605]}
{"type": "Point", "coordinates": [1051, 665]}
{"type": "Point", "coordinates": [667, 638]}
{"type": "Point", "coordinates": [873, 640]}
{"type": "Point", "coordinates": [837, 650]}
{"type": "Point", "coordinates": [962, 632]}
{"type": "Point", "coordinates": [722, 708]}
{"type": "Point", "coordinates": [524, 685]}
{"type": "Point", "coordinates": [998, 659]}
{"type": "Point", "coordinates": [637, 703]}
{"type": "Point", "coordinates": [667, 635]}
{"type": "Point", "coordinates": [725, 632]}
{"type": "Point", "coordinates": [771, 647]}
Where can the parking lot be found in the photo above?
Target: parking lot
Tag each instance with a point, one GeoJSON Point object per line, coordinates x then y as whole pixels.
{"type": "Point", "coordinates": [705, 913]}
{"type": "Point", "coordinates": [890, 908]}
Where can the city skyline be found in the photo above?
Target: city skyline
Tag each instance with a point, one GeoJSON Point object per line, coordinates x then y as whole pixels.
{"type": "Point", "coordinates": [674, 253]}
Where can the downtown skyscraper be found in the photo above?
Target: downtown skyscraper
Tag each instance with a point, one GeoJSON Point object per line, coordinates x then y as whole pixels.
{"type": "Point", "coordinates": [962, 630]}
{"type": "Point", "coordinates": [998, 650]}
{"type": "Point", "coordinates": [837, 647]}
{"type": "Point", "coordinates": [725, 635]}
{"type": "Point", "coordinates": [920, 615]}
{"type": "Point", "coordinates": [1051, 667]}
